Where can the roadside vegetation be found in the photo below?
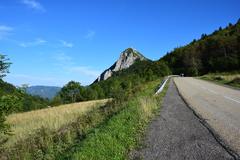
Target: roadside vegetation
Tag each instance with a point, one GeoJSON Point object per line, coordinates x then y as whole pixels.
{"type": "Point", "coordinates": [114, 87]}
{"type": "Point", "coordinates": [121, 121]}
{"type": "Point", "coordinates": [25, 124]}
{"type": "Point", "coordinates": [57, 140]}
{"type": "Point", "coordinates": [123, 132]}
{"type": "Point", "coordinates": [231, 79]}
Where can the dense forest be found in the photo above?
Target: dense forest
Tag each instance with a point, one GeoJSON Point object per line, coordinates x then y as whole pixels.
{"type": "Point", "coordinates": [217, 52]}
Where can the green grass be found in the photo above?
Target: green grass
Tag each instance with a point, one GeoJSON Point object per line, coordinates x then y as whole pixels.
{"type": "Point", "coordinates": [122, 132]}
{"type": "Point", "coordinates": [231, 79]}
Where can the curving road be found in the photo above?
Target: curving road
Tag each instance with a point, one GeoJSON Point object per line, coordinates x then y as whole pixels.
{"type": "Point", "coordinates": [219, 106]}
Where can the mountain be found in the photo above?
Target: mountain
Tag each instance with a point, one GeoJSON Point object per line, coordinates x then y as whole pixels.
{"type": "Point", "coordinates": [127, 58]}
{"type": "Point", "coordinates": [128, 72]}
{"type": "Point", "coordinates": [43, 91]}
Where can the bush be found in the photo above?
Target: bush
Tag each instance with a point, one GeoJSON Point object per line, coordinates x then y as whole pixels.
{"type": "Point", "coordinates": [219, 78]}
{"type": "Point", "coordinates": [8, 104]}
{"type": "Point", "coordinates": [236, 80]}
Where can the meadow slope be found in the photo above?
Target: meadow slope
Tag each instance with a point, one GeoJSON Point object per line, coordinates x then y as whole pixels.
{"type": "Point", "coordinates": [24, 124]}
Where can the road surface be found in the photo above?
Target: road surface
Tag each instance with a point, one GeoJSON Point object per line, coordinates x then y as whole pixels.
{"type": "Point", "coordinates": [219, 106]}
{"type": "Point", "coordinates": [178, 134]}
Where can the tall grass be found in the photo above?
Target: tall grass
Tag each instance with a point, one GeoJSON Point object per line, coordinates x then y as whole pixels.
{"type": "Point", "coordinates": [24, 124]}
{"type": "Point", "coordinates": [122, 132]}
{"type": "Point", "coordinates": [45, 143]}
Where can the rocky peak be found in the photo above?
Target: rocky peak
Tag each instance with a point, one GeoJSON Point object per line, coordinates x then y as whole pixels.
{"type": "Point", "coordinates": [127, 58]}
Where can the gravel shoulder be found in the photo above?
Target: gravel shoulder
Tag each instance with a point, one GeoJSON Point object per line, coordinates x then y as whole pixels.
{"type": "Point", "coordinates": [177, 133]}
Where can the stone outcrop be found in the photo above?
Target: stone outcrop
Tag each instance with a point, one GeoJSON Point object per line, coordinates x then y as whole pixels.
{"type": "Point", "coordinates": [126, 59]}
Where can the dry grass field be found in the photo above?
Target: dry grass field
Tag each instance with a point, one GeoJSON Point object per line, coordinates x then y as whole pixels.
{"type": "Point", "coordinates": [23, 124]}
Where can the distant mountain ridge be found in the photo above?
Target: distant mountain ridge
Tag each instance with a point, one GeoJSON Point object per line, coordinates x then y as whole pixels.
{"type": "Point", "coordinates": [43, 91]}
{"type": "Point", "coordinates": [127, 58]}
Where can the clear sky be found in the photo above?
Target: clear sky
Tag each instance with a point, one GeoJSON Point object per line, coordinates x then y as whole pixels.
{"type": "Point", "coordinates": [51, 42]}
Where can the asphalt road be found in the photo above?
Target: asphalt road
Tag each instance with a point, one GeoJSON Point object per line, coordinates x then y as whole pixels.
{"type": "Point", "coordinates": [178, 134]}
{"type": "Point", "coordinates": [218, 105]}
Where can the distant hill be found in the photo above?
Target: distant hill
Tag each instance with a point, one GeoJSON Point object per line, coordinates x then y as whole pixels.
{"type": "Point", "coordinates": [43, 91]}
{"type": "Point", "coordinates": [127, 58]}
{"type": "Point", "coordinates": [22, 100]}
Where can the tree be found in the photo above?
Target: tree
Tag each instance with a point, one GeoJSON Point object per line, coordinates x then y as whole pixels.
{"type": "Point", "coordinates": [194, 40]}
{"type": "Point", "coordinates": [90, 94]}
{"type": "Point", "coordinates": [203, 36]}
{"type": "Point", "coordinates": [8, 104]}
{"type": "Point", "coordinates": [56, 101]}
{"type": "Point", "coordinates": [99, 90]}
{"type": "Point", "coordinates": [4, 107]}
{"type": "Point", "coordinates": [4, 65]}
{"type": "Point", "coordinates": [71, 92]}
{"type": "Point", "coordinates": [23, 88]}
{"type": "Point", "coordinates": [149, 74]}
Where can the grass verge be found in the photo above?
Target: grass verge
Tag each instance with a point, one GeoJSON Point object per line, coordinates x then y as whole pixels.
{"type": "Point", "coordinates": [231, 79]}
{"type": "Point", "coordinates": [122, 132]}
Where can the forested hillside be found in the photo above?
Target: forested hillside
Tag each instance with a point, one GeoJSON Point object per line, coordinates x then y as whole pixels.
{"type": "Point", "coordinates": [14, 99]}
{"type": "Point", "coordinates": [217, 52]}
{"type": "Point", "coordinates": [122, 82]}
{"type": "Point", "coordinates": [20, 100]}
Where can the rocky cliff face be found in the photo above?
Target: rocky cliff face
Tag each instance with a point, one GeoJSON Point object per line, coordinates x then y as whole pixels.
{"type": "Point", "coordinates": [126, 59]}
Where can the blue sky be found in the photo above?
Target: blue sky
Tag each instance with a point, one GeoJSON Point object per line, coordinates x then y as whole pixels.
{"type": "Point", "coordinates": [51, 42]}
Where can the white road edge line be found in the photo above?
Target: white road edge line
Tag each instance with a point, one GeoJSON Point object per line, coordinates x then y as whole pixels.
{"type": "Point", "coordinates": [229, 98]}
{"type": "Point", "coordinates": [214, 92]}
